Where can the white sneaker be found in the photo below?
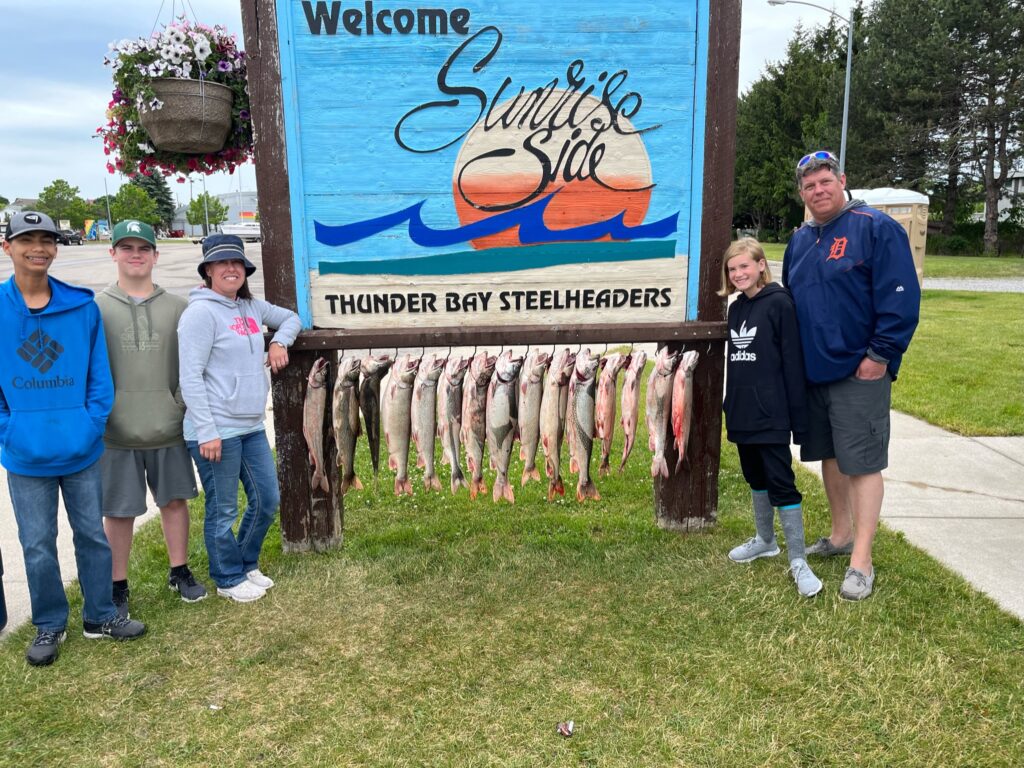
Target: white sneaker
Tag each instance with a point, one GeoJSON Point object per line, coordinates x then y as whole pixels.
{"type": "Point", "coordinates": [242, 592]}
{"type": "Point", "coordinates": [256, 577]}
{"type": "Point", "coordinates": [807, 583]}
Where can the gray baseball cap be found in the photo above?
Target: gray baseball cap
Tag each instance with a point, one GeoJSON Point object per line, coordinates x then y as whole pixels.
{"type": "Point", "coordinates": [30, 221]}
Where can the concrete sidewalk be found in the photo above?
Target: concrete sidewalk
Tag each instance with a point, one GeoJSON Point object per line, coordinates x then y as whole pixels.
{"type": "Point", "coordinates": [958, 498]}
{"type": "Point", "coordinates": [961, 500]}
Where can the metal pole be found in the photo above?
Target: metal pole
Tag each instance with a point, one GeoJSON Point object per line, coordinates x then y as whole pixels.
{"type": "Point", "coordinates": [846, 95]}
{"type": "Point", "coordinates": [206, 210]}
{"type": "Point", "coordinates": [106, 199]}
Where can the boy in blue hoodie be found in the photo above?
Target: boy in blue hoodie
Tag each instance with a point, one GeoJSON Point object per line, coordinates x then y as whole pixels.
{"type": "Point", "coordinates": [55, 396]}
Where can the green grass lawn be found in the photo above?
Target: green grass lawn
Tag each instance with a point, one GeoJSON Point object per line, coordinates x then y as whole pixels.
{"type": "Point", "coordinates": [455, 633]}
{"type": "Point", "coordinates": [964, 370]}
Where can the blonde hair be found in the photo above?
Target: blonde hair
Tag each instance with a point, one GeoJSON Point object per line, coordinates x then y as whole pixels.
{"type": "Point", "coordinates": [750, 247]}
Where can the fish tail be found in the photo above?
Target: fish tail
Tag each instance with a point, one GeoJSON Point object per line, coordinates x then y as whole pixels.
{"type": "Point", "coordinates": [530, 473]}
{"type": "Point", "coordinates": [586, 491]}
{"type": "Point", "coordinates": [431, 483]}
{"type": "Point", "coordinates": [407, 487]}
{"type": "Point", "coordinates": [604, 468]}
{"type": "Point", "coordinates": [659, 466]}
{"type": "Point", "coordinates": [458, 482]}
{"type": "Point", "coordinates": [555, 488]}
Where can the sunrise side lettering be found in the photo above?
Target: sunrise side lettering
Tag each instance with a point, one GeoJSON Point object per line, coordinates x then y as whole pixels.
{"type": "Point", "coordinates": [323, 20]}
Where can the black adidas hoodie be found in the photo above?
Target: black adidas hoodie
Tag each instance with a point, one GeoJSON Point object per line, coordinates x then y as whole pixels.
{"type": "Point", "coordinates": [765, 392]}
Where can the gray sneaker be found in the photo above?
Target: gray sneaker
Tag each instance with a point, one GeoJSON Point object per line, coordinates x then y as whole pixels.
{"type": "Point", "coordinates": [824, 547]}
{"type": "Point", "coordinates": [857, 585]}
{"type": "Point", "coordinates": [191, 591]}
{"type": "Point", "coordinates": [45, 648]}
{"type": "Point", "coordinates": [807, 584]}
{"type": "Point", "coordinates": [118, 628]}
{"type": "Point", "coordinates": [753, 549]}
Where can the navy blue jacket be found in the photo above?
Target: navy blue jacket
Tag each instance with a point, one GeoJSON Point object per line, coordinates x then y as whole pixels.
{"type": "Point", "coordinates": [765, 392]}
{"type": "Point", "coordinates": [55, 385]}
{"type": "Point", "coordinates": [855, 288]}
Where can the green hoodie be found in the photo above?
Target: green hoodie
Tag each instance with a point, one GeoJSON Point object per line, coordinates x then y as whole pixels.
{"type": "Point", "coordinates": [142, 342]}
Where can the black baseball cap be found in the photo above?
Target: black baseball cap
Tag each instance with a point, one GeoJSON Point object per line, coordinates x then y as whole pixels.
{"type": "Point", "coordinates": [30, 221]}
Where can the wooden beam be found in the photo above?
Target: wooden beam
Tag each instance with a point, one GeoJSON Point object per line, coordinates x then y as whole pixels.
{"type": "Point", "coordinates": [688, 500]}
{"type": "Point", "coordinates": [309, 521]}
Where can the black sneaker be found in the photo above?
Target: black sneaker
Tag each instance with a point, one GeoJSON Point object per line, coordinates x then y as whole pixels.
{"type": "Point", "coordinates": [118, 628]}
{"type": "Point", "coordinates": [45, 648]}
{"type": "Point", "coordinates": [120, 597]}
{"type": "Point", "coordinates": [185, 584]}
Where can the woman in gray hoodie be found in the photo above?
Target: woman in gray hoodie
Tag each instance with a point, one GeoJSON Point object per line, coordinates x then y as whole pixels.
{"type": "Point", "coordinates": [225, 387]}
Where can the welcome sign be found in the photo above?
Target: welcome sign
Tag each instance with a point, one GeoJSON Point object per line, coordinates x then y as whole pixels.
{"type": "Point", "coordinates": [494, 163]}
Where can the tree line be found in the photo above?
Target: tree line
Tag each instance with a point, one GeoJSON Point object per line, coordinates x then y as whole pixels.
{"type": "Point", "coordinates": [146, 198]}
{"type": "Point", "coordinates": [936, 106]}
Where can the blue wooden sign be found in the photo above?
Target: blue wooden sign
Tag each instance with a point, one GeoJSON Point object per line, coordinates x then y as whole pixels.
{"type": "Point", "coordinates": [492, 163]}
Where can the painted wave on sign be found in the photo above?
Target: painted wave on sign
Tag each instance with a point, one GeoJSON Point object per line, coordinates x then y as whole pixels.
{"type": "Point", "coordinates": [532, 232]}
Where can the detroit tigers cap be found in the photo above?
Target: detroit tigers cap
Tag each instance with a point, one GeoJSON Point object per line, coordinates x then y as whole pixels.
{"type": "Point", "coordinates": [30, 221]}
{"type": "Point", "coordinates": [133, 228]}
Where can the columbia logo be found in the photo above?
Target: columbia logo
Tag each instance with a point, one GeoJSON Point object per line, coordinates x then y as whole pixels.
{"type": "Point", "coordinates": [899, 289]}
{"type": "Point", "coordinates": [742, 339]}
{"type": "Point", "coordinates": [40, 351]}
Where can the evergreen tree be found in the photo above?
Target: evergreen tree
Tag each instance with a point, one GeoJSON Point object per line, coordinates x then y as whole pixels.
{"type": "Point", "coordinates": [156, 187]}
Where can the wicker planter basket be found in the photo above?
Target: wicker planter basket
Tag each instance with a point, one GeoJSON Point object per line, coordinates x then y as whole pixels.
{"type": "Point", "coordinates": [195, 117]}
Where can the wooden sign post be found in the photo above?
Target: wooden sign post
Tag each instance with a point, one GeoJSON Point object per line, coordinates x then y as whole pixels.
{"type": "Point", "coordinates": [495, 174]}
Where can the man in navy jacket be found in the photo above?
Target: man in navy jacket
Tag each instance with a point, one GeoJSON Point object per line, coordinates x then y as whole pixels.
{"type": "Point", "coordinates": [852, 277]}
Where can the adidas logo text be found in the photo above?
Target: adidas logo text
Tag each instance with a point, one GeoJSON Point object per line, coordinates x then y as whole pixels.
{"type": "Point", "coordinates": [741, 356]}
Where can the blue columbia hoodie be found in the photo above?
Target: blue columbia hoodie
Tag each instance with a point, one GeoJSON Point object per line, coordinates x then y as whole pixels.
{"type": "Point", "coordinates": [55, 385]}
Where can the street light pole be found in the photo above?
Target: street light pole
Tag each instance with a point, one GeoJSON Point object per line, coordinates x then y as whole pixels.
{"type": "Point", "coordinates": [849, 66]}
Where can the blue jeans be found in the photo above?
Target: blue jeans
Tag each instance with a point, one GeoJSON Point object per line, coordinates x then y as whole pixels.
{"type": "Point", "coordinates": [246, 458]}
{"type": "Point", "coordinates": [35, 509]}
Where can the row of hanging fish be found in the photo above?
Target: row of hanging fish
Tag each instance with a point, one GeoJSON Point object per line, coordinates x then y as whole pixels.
{"type": "Point", "coordinates": [488, 401]}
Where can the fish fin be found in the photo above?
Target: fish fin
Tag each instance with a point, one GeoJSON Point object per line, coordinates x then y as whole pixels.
{"type": "Point", "coordinates": [420, 463]}
{"type": "Point", "coordinates": [392, 462]}
{"type": "Point", "coordinates": [522, 452]}
{"type": "Point", "coordinates": [356, 483]}
{"type": "Point", "coordinates": [659, 466]}
{"type": "Point", "coordinates": [531, 473]}
{"type": "Point", "coordinates": [586, 491]}
{"type": "Point", "coordinates": [574, 466]}
{"type": "Point", "coordinates": [346, 484]}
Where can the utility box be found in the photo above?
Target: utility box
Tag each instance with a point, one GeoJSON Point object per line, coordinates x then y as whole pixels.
{"type": "Point", "coordinates": [910, 209]}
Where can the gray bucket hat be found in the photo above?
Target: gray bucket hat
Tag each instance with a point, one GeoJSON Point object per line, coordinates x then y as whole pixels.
{"type": "Point", "coordinates": [220, 247]}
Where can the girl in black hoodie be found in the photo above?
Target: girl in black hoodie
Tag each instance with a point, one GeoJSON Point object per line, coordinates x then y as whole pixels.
{"type": "Point", "coordinates": [764, 403]}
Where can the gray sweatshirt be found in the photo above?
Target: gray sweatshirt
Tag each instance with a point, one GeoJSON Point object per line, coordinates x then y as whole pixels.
{"type": "Point", "coordinates": [221, 359]}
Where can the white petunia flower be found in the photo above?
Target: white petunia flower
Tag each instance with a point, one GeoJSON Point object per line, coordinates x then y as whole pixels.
{"type": "Point", "coordinates": [202, 48]}
{"type": "Point", "coordinates": [147, 148]}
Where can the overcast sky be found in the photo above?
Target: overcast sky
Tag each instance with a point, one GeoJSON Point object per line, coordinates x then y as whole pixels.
{"type": "Point", "coordinates": [54, 88]}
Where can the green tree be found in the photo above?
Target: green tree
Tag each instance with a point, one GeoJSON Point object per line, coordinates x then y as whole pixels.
{"type": "Point", "coordinates": [60, 200]}
{"type": "Point", "coordinates": [132, 202]}
{"type": "Point", "coordinates": [156, 187]}
{"type": "Point", "coordinates": [4, 201]}
{"type": "Point", "coordinates": [212, 214]}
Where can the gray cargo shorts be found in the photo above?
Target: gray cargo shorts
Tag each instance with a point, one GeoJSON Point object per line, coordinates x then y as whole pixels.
{"type": "Point", "coordinates": [126, 473]}
{"type": "Point", "coordinates": [848, 421]}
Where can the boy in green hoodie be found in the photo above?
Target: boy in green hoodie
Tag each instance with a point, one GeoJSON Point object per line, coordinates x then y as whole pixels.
{"type": "Point", "coordinates": [144, 443]}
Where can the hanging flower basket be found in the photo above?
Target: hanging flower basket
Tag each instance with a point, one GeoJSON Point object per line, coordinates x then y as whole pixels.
{"type": "Point", "coordinates": [155, 126]}
{"type": "Point", "coordinates": [195, 117]}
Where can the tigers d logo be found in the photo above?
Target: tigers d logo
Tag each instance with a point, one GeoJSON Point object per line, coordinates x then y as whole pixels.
{"type": "Point", "coordinates": [838, 249]}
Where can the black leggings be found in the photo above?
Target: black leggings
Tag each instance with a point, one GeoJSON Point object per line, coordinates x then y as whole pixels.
{"type": "Point", "coordinates": [770, 467]}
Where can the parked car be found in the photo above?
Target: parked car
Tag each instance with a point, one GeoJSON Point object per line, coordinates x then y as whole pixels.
{"type": "Point", "coordinates": [69, 237]}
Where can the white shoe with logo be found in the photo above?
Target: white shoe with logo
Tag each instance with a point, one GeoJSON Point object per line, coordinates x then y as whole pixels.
{"type": "Point", "coordinates": [242, 592]}
{"type": "Point", "coordinates": [256, 577]}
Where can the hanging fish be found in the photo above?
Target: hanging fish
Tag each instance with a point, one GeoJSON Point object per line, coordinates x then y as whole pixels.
{"type": "Point", "coordinates": [682, 402]}
{"type": "Point", "coordinates": [397, 410]}
{"type": "Point", "coordinates": [313, 421]}
{"type": "Point", "coordinates": [605, 408]}
{"type": "Point", "coordinates": [372, 370]}
{"type": "Point", "coordinates": [449, 417]}
{"type": "Point", "coordinates": [552, 418]}
{"type": "Point", "coordinates": [531, 391]}
{"type": "Point", "coordinates": [631, 402]}
{"type": "Point", "coordinates": [580, 422]}
{"type": "Point", "coordinates": [501, 419]}
{"type": "Point", "coordinates": [474, 418]}
{"type": "Point", "coordinates": [424, 417]}
{"type": "Point", "coordinates": [346, 420]}
{"type": "Point", "coordinates": [659, 408]}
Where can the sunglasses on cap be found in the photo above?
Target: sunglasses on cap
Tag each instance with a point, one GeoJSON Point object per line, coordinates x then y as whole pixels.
{"type": "Point", "coordinates": [821, 154]}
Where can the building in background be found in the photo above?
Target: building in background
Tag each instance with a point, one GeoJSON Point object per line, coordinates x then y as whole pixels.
{"type": "Point", "coordinates": [242, 208]}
